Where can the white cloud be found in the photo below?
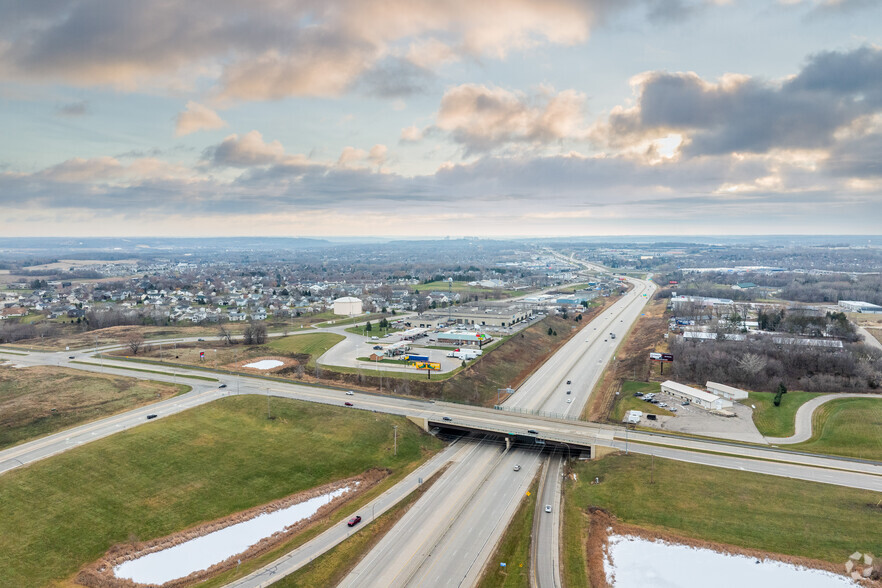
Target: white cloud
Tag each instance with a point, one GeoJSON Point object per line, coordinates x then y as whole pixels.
{"type": "Point", "coordinates": [197, 117]}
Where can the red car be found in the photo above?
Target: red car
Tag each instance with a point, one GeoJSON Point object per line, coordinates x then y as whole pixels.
{"type": "Point", "coordinates": [354, 521]}
{"type": "Point", "coordinates": [347, 404]}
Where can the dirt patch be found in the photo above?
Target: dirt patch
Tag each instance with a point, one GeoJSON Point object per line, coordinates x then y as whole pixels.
{"type": "Point", "coordinates": [99, 574]}
{"type": "Point", "coordinates": [603, 524]}
{"type": "Point", "coordinates": [632, 360]}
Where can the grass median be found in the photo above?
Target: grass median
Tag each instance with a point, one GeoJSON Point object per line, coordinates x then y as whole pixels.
{"type": "Point", "coordinates": [214, 460]}
{"type": "Point", "coordinates": [514, 548]}
{"type": "Point", "coordinates": [777, 421]}
{"type": "Point", "coordinates": [849, 426]}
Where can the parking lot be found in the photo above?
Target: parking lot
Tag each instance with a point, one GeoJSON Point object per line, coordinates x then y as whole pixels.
{"type": "Point", "coordinates": [698, 421]}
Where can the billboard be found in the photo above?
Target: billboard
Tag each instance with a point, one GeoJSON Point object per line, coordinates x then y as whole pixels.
{"type": "Point", "coordinates": [661, 356]}
{"type": "Point", "coordinates": [426, 365]}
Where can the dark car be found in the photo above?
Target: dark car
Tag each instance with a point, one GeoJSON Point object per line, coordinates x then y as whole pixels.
{"type": "Point", "coordinates": [378, 347]}
{"type": "Point", "coordinates": [569, 382]}
{"type": "Point", "coordinates": [71, 356]}
{"type": "Point", "coordinates": [222, 386]}
{"type": "Point", "coordinates": [151, 416]}
{"type": "Point", "coordinates": [347, 404]}
{"type": "Point", "coordinates": [354, 521]}
{"type": "Point", "coordinates": [448, 419]}
{"type": "Point", "coordinates": [651, 417]}
{"type": "Point", "coordinates": [532, 431]}
{"type": "Point", "coordinates": [569, 391]}
{"type": "Point", "coordinates": [200, 339]}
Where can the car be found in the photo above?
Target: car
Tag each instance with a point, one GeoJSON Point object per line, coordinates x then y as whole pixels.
{"type": "Point", "coordinates": [347, 404]}
{"type": "Point", "coordinates": [354, 521]}
{"type": "Point", "coordinates": [517, 467]}
{"type": "Point", "coordinates": [569, 400]}
{"type": "Point", "coordinates": [200, 339]}
{"type": "Point", "coordinates": [569, 391]}
{"type": "Point", "coordinates": [651, 417]}
{"type": "Point", "coordinates": [547, 508]}
{"type": "Point", "coordinates": [378, 346]}
{"type": "Point", "coordinates": [638, 394]}
{"type": "Point", "coordinates": [569, 382]}
{"type": "Point", "coordinates": [533, 431]}
{"type": "Point", "coordinates": [375, 338]}
{"type": "Point", "coordinates": [222, 386]}
{"type": "Point", "coordinates": [604, 340]}
{"type": "Point", "coordinates": [684, 403]}
{"type": "Point", "coordinates": [71, 356]}
{"type": "Point", "coordinates": [151, 416]}
{"type": "Point", "coordinates": [448, 419]}
{"type": "Point", "coordinates": [350, 393]}
{"type": "Point", "coordinates": [662, 404]}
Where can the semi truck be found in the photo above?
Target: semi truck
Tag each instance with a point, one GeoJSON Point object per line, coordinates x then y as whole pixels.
{"type": "Point", "coordinates": [466, 354]}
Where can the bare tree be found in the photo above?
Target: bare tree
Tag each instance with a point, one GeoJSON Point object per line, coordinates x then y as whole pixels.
{"type": "Point", "coordinates": [225, 334]}
{"type": "Point", "coordinates": [752, 363]}
{"type": "Point", "coordinates": [134, 341]}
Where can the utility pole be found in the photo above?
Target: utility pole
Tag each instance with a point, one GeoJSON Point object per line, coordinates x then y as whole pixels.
{"type": "Point", "coordinates": [395, 433]}
{"type": "Point", "coordinates": [268, 417]}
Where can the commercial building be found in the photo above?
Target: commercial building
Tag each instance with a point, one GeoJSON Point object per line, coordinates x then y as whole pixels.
{"type": "Point", "coordinates": [858, 306]}
{"type": "Point", "coordinates": [347, 306]}
{"type": "Point", "coordinates": [490, 316]}
{"type": "Point", "coordinates": [725, 391]}
{"type": "Point", "coordinates": [463, 338]}
{"type": "Point", "coordinates": [695, 396]}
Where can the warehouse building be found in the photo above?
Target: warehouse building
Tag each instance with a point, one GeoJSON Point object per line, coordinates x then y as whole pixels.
{"type": "Point", "coordinates": [725, 391]}
{"type": "Point", "coordinates": [858, 306]}
{"type": "Point", "coordinates": [695, 396]}
{"type": "Point", "coordinates": [463, 338]}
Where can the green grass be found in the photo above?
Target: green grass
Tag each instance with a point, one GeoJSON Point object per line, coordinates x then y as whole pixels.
{"type": "Point", "coordinates": [777, 421]}
{"type": "Point", "coordinates": [11, 352]}
{"type": "Point", "coordinates": [376, 330]}
{"type": "Point", "coordinates": [313, 344]}
{"type": "Point", "coordinates": [336, 322]}
{"type": "Point", "coordinates": [849, 426]}
{"type": "Point", "coordinates": [627, 401]}
{"type": "Point", "coordinates": [205, 463]}
{"type": "Point", "coordinates": [513, 548]}
{"type": "Point", "coordinates": [775, 514]}
{"type": "Point", "coordinates": [39, 401]}
{"type": "Point", "coordinates": [574, 564]}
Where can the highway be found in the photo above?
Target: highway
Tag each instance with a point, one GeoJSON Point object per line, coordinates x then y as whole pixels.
{"type": "Point", "coordinates": [453, 538]}
{"type": "Point", "coordinates": [414, 555]}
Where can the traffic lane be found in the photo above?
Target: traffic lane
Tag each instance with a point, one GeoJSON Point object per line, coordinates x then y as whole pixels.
{"type": "Point", "coordinates": [460, 555]}
{"type": "Point", "coordinates": [406, 547]}
{"type": "Point", "coordinates": [547, 571]}
{"type": "Point", "coordinates": [335, 535]}
{"type": "Point", "coordinates": [785, 470]}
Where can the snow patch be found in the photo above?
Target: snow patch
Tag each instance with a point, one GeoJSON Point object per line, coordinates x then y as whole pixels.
{"type": "Point", "coordinates": [264, 364]}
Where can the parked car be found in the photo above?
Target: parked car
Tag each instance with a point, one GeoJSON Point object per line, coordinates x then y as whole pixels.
{"type": "Point", "coordinates": [662, 404]}
{"type": "Point", "coordinates": [350, 393]}
{"type": "Point", "coordinates": [354, 521]}
{"type": "Point", "coordinates": [517, 468]}
{"type": "Point", "coordinates": [638, 394]}
{"type": "Point", "coordinates": [151, 416]}
{"type": "Point", "coordinates": [347, 404]}
{"type": "Point", "coordinates": [684, 403]}
{"type": "Point", "coordinates": [547, 508]}
{"type": "Point", "coordinates": [651, 417]}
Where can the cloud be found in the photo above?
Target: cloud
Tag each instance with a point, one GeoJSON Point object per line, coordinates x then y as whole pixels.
{"type": "Point", "coordinates": [482, 118]}
{"type": "Point", "coordinates": [745, 114]}
{"type": "Point", "coordinates": [352, 156]}
{"type": "Point", "coordinates": [269, 50]}
{"type": "Point", "coordinates": [393, 78]}
{"type": "Point", "coordinates": [247, 151]}
{"type": "Point", "coordinates": [84, 170]}
{"type": "Point", "coordinates": [80, 108]}
{"type": "Point", "coordinates": [197, 117]}
{"type": "Point", "coordinates": [412, 134]}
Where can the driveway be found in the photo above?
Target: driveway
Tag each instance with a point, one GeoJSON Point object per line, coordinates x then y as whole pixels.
{"type": "Point", "coordinates": [804, 417]}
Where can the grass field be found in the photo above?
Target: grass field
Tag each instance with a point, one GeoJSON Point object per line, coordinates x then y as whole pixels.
{"type": "Point", "coordinates": [513, 548]}
{"type": "Point", "coordinates": [775, 514]}
{"type": "Point", "coordinates": [337, 320]}
{"type": "Point", "coordinates": [313, 344]}
{"type": "Point", "coordinates": [777, 421]}
{"type": "Point", "coordinates": [850, 427]}
{"type": "Point", "coordinates": [39, 401]}
{"type": "Point", "coordinates": [196, 466]}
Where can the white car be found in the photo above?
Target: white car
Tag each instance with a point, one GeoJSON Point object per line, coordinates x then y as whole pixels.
{"type": "Point", "coordinates": [517, 468]}
{"type": "Point", "coordinates": [547, 508]}
{"type": "Point", "coordinates": [350, 393]}
{"type": "Point", "coordinates": [569, 400]}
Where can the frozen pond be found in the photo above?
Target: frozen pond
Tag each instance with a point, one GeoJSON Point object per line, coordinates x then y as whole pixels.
{"type": "Point", "coordinates": [639, 562]}
{"type": "Point", "coordinates": [264, 364]}
{"type": "Point", "coordinates": [203, 552]}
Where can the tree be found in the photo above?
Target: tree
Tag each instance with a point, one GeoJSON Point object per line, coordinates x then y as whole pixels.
{"type": "Point", "coordinates": [779, 395]}
{"type": "Point", "coordinates": [368, 327]}
{"type": "Point", "coordinates": [225, 334]}
{"type": "Point", "coordinates": [134, 341]}
{"type": "Point", "coordinates": [550, 331]}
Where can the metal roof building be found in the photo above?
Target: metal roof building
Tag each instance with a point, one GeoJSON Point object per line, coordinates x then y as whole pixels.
{"type": "Point", "coordinates": [726, 391]}
{"type": "Point", "coordinates": [695, 396]}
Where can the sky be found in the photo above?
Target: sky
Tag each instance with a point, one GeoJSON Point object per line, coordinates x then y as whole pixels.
{"type": "Point", "coordinates": [425, 118]}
